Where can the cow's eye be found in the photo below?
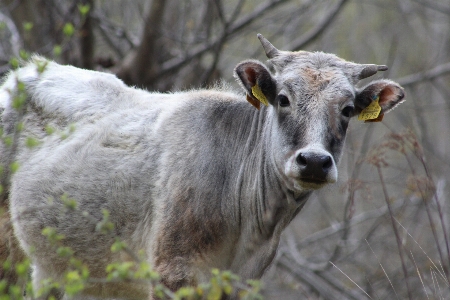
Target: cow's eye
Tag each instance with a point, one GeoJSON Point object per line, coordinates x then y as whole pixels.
{"type": "Point", "coordinates": [283, 100]}
{"type": "Point", "coordinates": [348, 111]}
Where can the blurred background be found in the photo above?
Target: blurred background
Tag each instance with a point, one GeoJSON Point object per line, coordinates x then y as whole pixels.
{"type": "Point", "coordinates": [381, 232]}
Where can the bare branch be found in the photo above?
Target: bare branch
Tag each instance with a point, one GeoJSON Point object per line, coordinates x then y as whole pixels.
{"type": "Point", "coordinates": [307, 38]}
{"type": "Point", "coordinates": [394, 227]}
{"type": "Point", "coordinates": [87, 39]}
{"type": "Point", "coordinates": [15, 41]}
{"type": "Point", "coordinates": [435, 5]}
{"type": "Point", "coordinates": [365, 216]}
{"type": "Point", "coordinates": [178, 62]}
{"type": "Point", "coordinates": [425, 75]}
{"type": "Point", "coordinates": [140, 66]}
{"type": "Point", "coordinates": [326, 289]}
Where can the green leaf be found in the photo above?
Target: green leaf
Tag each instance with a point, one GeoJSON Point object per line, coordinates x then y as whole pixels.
{"type": "Point", "coordinates": [120, 270]}
{"type": "Point", "coordinates": [27, 26]}
{"type": "Point", "coordinates": [74, 283]}
{"type": "Point", "coordinates": [14, 62]}
{"type": "Point", "coordinates": [22, 268]}
{"type": "Point", "coordinates": [49, 129]}
{"type": "Point", "coordinates": [64, 251]}
{"type": "Point", "coordinates": [15, 291]}
{"type": "Point", "coordinates": [14, 167]}
{"type": "Point", "coordinates": [52, 235]}
{"type": "Point", "coordinates": [41, 66]}
{"type": "Point", "coordinates": [57, 50]}
{"type": "Point", "coordinates": [228, 289]}
{"type": "Point", "coordinates": [84, 9]}
{"type": "Point", "coordinates": [3, 285]}
{"type": "Point", "coordinates": [7, 265]}
{"type": "Point", "coordinates": [68, 29]}
{"type": "Point", "coordinates": [31, 142]}
{"type": "Point", "coordinates": [19, 126]}
{"type": "Point", "coordinates": [24, 54]}
{"type": "Point", "coordinates": [20, 98]}
{"type": "Point", "coordinates": [118, 246]}
{"type": "Point", "coordinates": [215, 271]}
{"type": "Point", "coordinates": [8, 141]}
{"type": "Point", "coordinates": [21, 86]}
{"type": "Point", "coordinates": [215, 293]}
{"type": "Point", "coordinates": [159, 291]}
{"type": "Point", "coordinates": [72, 128]}
{"type": "Point", "coordinates": [105, 226]}
{"type": "Point", "coordinates": [185, 292]}
{"type": "Point", "coordinates": [145, 272]}
{"type": "Point", "coordinates": [69, 203]}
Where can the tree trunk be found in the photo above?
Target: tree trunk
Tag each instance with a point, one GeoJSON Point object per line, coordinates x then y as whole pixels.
{"type": "Point", "coordinates": [141, 65]}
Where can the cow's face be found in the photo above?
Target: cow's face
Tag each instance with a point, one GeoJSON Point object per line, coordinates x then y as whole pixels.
{"type": "Point", "coordinates": [311, 98]}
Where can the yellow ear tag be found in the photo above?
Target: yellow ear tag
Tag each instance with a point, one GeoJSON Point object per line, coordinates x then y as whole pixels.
{"type": "Point", "coordinates": [371, 112]}
{"type": "Point", "coordinates": [258, 94]}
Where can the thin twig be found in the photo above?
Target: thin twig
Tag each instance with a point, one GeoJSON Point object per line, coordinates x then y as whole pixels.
{"type": "Point", "coordinates": [418, 273]}
{"type": "Point", "coordinates": [441, 215]}
{"type": "Point", "coordinates": [382, 268]}
{"type": "Point", "coordinates": [336, 228]}
{"type": "Point", "coordinates": [441, 272]}
{"type": "Point", "coordinates": [351, 280]}
{"type": "Point", "coordinates": [399, 243]}
{"type": "Point", "coordinates": [320, 284]}
{"type": "Point", "coordinates": [178, 62]}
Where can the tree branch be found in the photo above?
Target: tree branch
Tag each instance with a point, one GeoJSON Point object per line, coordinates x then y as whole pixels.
{"type": "Point", "coordinates": [372, 214]}
{"type": "Point", "coordinates": [178, 62]}
{"type": "Point", "coordinates": [307, 38]}
{"type": "Point", "coordinates": [435, 6]}
{"type": "Point", "coordinates": [425, 75]}
{"type": "Point", "coordinates": [141, 65]}
{"type": "Point", "coordinates": [325, 288]}
{"type": "Point", "coordinates": [87, 38]}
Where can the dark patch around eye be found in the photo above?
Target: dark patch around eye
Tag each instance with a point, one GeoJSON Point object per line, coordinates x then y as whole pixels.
{"type": "Point", "coordinates": [343, 127]}
{"type": "Point", "coordinates": [336, 134]}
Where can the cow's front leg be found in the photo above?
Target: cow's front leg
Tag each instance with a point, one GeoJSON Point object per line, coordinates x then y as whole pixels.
{"type": "Point", "coordinates": [175, 273]}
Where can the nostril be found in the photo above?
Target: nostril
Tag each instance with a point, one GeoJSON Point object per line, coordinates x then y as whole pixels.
{"type": "Point", "coordinates": [328, 163]}
{"type": "Point", "coordinates": [301, 160]}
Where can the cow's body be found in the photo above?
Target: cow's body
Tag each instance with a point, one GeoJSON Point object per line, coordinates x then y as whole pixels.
{"type": "Point", "coordinates": [196, 180]}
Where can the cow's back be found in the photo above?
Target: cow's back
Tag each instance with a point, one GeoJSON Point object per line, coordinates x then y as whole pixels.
{"type": "Point", "coordinates": [110, 140]}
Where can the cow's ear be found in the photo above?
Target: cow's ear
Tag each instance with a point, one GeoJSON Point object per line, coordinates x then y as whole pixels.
{"type": "Point", "coordinates": [257, 82]}
{"type": "Point", "coordinates": [389, 95]}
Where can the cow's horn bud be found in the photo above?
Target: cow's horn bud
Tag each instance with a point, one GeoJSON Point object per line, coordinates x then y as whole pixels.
{"type": "Point", "coordinates": [270, 49]}
{"type": "Point", "coordinates": [370, 70]}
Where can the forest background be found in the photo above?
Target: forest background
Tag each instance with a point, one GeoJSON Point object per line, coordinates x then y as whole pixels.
{"type": "Point", "coordinates": [382, 231]}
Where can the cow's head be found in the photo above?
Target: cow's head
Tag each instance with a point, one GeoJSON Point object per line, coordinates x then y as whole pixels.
{"type": "Point", "coordinates": [312, 96]}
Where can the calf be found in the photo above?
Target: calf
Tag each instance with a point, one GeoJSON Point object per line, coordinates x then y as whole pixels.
{"type": "Point", "coordinates": [195, 180]}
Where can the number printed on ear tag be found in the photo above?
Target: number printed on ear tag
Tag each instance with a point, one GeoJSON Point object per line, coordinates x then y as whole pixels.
{"type": "Point", "coordinates": [371, 112]}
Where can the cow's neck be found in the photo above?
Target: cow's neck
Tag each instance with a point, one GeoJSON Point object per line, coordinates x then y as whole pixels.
{"type": "Point", "coordinates": [262, 194]}
{"type": "Point", "coordinates": [263, 204]}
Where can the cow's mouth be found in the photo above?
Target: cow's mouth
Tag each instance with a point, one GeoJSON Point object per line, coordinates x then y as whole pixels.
{"type": "Point", "coordinates": [313, 180]}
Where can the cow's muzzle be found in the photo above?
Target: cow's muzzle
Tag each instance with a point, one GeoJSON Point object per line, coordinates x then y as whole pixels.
{"type": "Point", "coordinates": [311, 168]}
{"type": "Point", "coordinates": [314, 167]}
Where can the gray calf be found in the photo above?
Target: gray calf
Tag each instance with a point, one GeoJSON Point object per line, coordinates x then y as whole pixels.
{"type": "Point", "coordinates": [196, 180]}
